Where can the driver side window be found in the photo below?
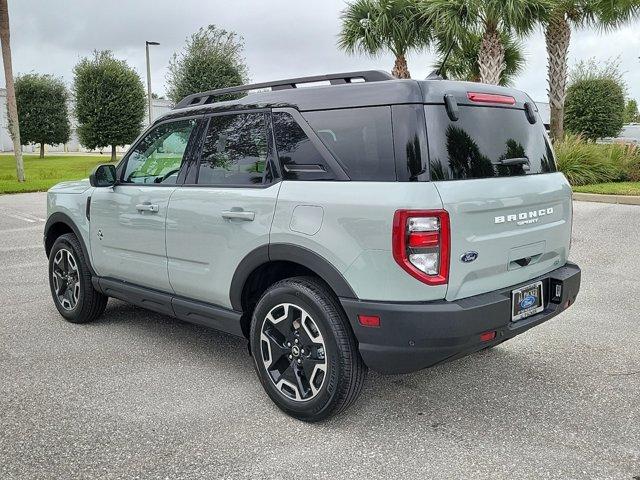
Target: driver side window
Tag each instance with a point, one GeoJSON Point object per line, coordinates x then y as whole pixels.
{"type": "Point", "coordinates": [156, 159]}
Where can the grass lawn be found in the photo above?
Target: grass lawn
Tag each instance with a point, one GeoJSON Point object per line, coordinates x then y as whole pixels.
{"type": "Point", "coordinates": [42, 174]}
{"type": "Point", "coordinates": [612, 188]}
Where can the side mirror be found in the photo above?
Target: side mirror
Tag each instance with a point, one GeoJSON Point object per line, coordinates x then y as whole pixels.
{"type": "Point", "coordinates": [103, 176]}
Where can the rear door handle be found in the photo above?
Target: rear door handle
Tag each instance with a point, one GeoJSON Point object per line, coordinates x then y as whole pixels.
{"type": "Point", "coordinates": [239, 214]}
{"type": "Point", "coordinates": [147, 207]}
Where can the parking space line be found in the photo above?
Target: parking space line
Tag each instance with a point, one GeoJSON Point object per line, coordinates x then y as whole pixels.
{"type": "Point", "coordinates": [27, 217]}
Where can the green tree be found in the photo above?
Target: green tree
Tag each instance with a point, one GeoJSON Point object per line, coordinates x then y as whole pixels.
{"type": "Point", "coordinates": [42, 110]}
{"type": "Point", "coordinates": [563, 16]}
{"type": "Point", "coordinates": [462, 62]}
{"type": "Point", "coordinates": [373, 26]}
{"type": "Point", "coordinates": [211, 59]}
{"type": "Point", "coordinates": [631, 114]}
{"type": "Point", "coordinates": [110, 101]}
{"type": "Point", "coordinates": [454, 20]}
{"type": "Point", "coordinates": [594, 105]}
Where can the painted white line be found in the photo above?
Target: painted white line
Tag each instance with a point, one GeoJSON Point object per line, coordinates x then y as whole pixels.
{"type": "Point", "coordinates": [24, 247]}
{"type": "Point", "coordinates": [21, 229]}
{"type": "Point", "coordinates": [25, 215]}
{"type": "Point", "coordinates": [19, 217]}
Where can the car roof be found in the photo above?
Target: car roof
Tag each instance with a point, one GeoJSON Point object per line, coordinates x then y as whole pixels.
{"type": "Point", "coordinates": [382, 91]}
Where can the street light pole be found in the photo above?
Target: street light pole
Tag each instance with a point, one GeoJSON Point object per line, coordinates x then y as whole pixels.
{"type": "Point", "coordinates": [149, 75]}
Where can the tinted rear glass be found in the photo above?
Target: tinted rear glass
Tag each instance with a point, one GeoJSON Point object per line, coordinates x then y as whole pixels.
{"type": "Point", "coordinates": [298, 155]}
{"type": "Point", "coordinates": [482, 141]}
{"type": "Point", "coordinates": [360, 139]}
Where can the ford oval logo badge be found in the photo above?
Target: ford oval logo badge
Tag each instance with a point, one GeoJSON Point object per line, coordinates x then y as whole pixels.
{"type": "Point", "coordinates": [468, 257]}
{"type": "Point", "coordinates": [528, 301]}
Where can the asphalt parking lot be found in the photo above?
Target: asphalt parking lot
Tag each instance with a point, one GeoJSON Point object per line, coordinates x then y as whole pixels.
{"type": "Point", "coordinates": [140, 395]}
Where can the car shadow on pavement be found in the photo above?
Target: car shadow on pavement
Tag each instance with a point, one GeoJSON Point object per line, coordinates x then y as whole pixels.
{"type": "Point", "coordinates": [505, 384]}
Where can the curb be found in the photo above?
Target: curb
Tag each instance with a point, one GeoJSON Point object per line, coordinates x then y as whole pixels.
{"type": "Point", "coordinates": [596, 197]}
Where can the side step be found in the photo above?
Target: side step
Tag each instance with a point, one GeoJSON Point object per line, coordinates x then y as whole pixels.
{"type": "Point", "coordinates": [191, 311]}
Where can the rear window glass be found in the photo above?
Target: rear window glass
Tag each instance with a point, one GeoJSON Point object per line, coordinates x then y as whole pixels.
{"type": "Point", "coordinates": [485, 142]}
{"type": "Point", "coordinates": [360, 139]}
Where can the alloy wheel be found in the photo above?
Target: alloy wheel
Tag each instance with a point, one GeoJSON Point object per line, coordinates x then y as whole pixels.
{"type": "Point", "coordinates": [66, 281]}
{"type": "Point", "coordinates": [293, 352]}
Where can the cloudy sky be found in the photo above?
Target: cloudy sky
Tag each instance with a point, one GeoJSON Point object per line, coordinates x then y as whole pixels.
{"type": "Point", "coordinates": [283, 38]}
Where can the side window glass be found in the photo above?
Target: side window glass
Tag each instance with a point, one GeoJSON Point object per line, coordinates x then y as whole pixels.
{"type": "Point", "coordinates": [361, 138]}
{"type": "Point", "coordinates": [158, 156]}
{"type": "Point", "coordinates": [298, 155]}
{"type": "Point", "coordinates": [235, 151]}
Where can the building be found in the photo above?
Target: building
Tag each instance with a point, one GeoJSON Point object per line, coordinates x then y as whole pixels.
{"type": "Point", "coordinates": [158, 107]}
{"type": "Point", "coordinates": [545, 113]}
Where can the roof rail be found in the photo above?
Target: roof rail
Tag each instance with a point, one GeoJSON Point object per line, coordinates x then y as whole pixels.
{"type": "Point", "coordinates": [334, 79]}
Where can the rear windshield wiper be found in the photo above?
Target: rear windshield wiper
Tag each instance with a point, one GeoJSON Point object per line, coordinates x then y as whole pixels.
{"type": "Point", "coordinates": [514, 161]}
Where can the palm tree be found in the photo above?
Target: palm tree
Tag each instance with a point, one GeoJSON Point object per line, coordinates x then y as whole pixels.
{"type": "Point", "coordinates": [565, 14]}
{"type": "Point", "coordinates": [12, 107]}
{"type": "Point", "coordinates": [462, 62]}
{"type": "Point", "coordinates": [454, 19]}
{"type": "Point", "coordinates": [372, 26]}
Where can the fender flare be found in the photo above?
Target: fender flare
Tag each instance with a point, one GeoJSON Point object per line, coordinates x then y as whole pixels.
{"type": "Point", "coordinates": [59, 217]}
{"type": "Point", "coordinates": [289, 253]}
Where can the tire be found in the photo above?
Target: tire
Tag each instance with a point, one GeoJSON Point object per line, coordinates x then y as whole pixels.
{"type": "Point", "coordinates": [320, 375]}
{"type": "Point", "coordinates": [70, 282]}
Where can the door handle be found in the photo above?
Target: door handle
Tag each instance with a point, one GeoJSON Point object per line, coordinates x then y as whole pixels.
{"type": "Point", "coordinates": [147, 207]}
{"type": "Point", "coordinates": [239, 214]}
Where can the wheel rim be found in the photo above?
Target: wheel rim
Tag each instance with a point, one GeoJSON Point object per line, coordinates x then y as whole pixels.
{"type": "Point", "coordinates": [293, 352]}
{"type": "Point", "coordinates": [65, 278]}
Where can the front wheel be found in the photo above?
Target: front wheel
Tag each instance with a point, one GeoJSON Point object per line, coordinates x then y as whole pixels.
{"type": "Point", "coordinates": [304, 351]}
{"type": "Point", "coordinates": [70, 282]}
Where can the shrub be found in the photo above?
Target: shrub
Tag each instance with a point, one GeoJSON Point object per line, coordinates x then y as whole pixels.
{"type": "Point", "coordinates": [594, 108]}
{"type": "Point", "coordinates": [626, 157]}
{"type": "Point", "coordinates": [585, 162]}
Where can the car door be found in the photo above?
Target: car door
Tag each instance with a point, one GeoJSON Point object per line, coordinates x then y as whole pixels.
{"type": "Point", "coordinates": [226, 209]}
{"type": "Point", "coordinates": [127, 227]}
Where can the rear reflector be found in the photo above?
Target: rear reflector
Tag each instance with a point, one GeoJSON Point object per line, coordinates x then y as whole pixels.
{"type": "Point", "coordinates": [487, 336]}
{"type": "Point", "coordinates": [423, 239]}
{"type": "Point", "coordinates": [369, 320]}
{"type": "Point", "coordinates": [490, 98]}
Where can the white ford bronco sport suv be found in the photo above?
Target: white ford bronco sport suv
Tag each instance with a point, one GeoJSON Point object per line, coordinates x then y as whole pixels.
{"type": "Point", "coordinates": [369, 222]}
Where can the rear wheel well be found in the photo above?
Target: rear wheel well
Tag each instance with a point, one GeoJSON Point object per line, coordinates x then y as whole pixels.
{"type": "Point", "coordinates": [56, 230]}
{"type": "Point", "coordinates": [260, 279]}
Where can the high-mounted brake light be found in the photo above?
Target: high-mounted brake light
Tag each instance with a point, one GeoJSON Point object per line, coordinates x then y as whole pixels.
{"type": "Point", "coordinates": [421, 243]}
{"type": "Point", "coordinates": [491, 98]}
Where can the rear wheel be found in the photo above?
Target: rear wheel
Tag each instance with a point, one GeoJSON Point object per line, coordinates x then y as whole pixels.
{"type": "Point", "coordinates": [304, 351]}
{"type": "Point", "coordinates": [70, 282]}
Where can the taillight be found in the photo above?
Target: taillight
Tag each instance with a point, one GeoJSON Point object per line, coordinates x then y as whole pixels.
{"type": "Point", "coordinates": [490, 98]}
{"type": "Point", "coordinates": [421, 242]}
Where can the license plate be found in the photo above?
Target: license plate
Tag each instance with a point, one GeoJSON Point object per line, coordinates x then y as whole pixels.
{"type": "Point", "coordinates": [526, 301]}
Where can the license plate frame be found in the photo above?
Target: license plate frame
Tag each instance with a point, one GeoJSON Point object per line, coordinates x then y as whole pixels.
{"type": "Point", "coordinates": [527, 301]}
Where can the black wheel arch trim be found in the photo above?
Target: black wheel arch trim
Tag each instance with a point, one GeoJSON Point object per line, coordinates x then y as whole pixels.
{"type": "Point", "coordinates": [60, 217]}
{"type": "Point", "coordinates": [289, 253]}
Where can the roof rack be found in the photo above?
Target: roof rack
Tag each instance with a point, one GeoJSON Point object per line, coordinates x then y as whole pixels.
{"type": "Point", "coordinates": [334, 79]}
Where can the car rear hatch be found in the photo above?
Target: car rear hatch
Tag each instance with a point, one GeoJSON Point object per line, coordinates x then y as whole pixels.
{"type": "Point", "coordinates": [492, 164]}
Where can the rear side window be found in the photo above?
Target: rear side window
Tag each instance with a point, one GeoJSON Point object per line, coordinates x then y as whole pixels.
{"type": "Point", "coordinates": [235, 150]}
{"type": "Point", "coordinates": [361, 139]}
{"type": "Point", "coordinates": [485, 142]}
{"type": "Point", "coordinates": [298, 155]}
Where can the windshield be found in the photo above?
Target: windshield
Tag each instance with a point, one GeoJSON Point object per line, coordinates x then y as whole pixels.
{"type": "Point", "coordinates": [486, 142]}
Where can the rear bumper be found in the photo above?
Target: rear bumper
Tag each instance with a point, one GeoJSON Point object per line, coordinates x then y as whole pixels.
{"type": "Point", "coordinates": [413, 336]}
